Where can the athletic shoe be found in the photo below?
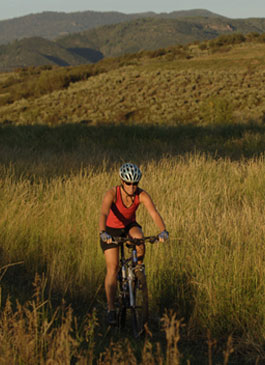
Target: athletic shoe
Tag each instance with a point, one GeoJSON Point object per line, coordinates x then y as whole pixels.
{"type": "Point", "coordinates": [111, 318]}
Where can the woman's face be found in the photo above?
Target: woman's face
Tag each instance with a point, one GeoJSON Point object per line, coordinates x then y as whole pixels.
{"type": "Point", "coordinates": [130, 188]}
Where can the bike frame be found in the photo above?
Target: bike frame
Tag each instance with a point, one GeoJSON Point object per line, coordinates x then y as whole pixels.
{"type": "Point", "coordinates": [127, 269]}
{"type": "Point", "coordinates": [128, 278]}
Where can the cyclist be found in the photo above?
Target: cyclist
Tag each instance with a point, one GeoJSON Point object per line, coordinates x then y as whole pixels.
{"type": "Point", "coordinates": [118, 219]}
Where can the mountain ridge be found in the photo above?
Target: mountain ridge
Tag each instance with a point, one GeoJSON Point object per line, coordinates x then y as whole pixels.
{"type": "Point", "coordinates": [50, 24]}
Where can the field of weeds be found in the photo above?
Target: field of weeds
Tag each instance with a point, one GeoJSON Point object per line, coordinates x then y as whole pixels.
{"type": "Point", "coordinates": [206, 284]}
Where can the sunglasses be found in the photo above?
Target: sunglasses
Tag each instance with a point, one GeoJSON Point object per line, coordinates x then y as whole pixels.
{"type": "Point", "coordinates": [129, 184]}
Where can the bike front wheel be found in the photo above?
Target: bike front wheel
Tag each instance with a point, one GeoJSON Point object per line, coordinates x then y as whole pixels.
{"type": "Point", "coordinates": [140, 310]}
{"type": "Point", "coordinates": [123, 305]}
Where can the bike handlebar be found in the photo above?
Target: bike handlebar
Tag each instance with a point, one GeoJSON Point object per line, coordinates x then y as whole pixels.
{"type": "Point", "coordinates": [134, 241]}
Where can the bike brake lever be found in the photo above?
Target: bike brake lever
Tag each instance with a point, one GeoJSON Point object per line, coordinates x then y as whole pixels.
{"type": "Point", "coordinates": [153, 240]}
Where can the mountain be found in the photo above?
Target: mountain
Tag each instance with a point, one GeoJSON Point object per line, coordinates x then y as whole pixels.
{"type": "Point", "coordinates": [157, 32]}
{"type": "Point", "coordinates": [51, 25]}
{"type": "Point", "coordinates": [146, 33]}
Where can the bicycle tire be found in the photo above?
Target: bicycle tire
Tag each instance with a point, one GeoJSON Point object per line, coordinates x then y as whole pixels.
{"type": "Point", "coordinates": [121, 317]}
{"type": "Point", "coordinates": [140, 311]}
{"type": "Point", "coordinates": [122, 306]}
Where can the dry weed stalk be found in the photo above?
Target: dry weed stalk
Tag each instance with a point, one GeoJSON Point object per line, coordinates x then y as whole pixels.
{"type": "Point", "coordinates": [4, 268]}
{"type": "Point", "coordinates": [229, 350]}
{"type": "Point", "coordinates": [28, 335]}
{"type": "Point", "coordinates": [172, 326]}
{"type": "Point", "coordinates": [118, 353]}
{"type": "Point", "coordinates": [211, 342]}
{"type": "Point", "coordinates": [149, 355]}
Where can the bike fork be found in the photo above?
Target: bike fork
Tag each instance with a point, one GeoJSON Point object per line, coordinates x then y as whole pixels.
{"type": "Point", "coordinates": [130, 283]}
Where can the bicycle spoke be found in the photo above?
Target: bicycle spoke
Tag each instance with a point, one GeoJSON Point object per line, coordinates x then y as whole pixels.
{"type": "Point", "coordinates": [140, 312]}
{"type": "Point", "coordinates": [122, 306]}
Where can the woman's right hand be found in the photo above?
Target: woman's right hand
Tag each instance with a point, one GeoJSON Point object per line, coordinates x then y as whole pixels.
{"type": "Point", "coordinates": [163, 236]}
{"type": "Point", "coordinates": [105, 237]}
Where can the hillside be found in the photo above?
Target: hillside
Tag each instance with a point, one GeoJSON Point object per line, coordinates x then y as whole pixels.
{"type": "Point", "coordinates": [51, 25]}
{"type": "Point", "coordinates": [36, 51]}
{"type": "Point", "coordinates": [145, 34]}
{"type": "Point", "coordinates": [216, 81]}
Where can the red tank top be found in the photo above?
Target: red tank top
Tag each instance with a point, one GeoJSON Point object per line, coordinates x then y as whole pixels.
{"type": "Point", "coordinates": [120, 216]}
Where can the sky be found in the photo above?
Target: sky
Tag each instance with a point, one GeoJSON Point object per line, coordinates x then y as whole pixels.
{"type": "Point", "coordinates": [230, 8]}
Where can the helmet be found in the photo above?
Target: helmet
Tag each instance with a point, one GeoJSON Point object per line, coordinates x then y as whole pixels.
{"type": "Point", "coordinates": [130, 173]}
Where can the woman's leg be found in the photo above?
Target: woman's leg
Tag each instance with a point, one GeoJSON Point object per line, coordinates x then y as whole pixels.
{"type": "Point", "coordinates": [136, 232]}
{"type": "Point", "coordinates": [112, 264]}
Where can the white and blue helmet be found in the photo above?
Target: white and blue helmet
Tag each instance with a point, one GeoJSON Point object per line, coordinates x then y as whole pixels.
{"type": "Point", "coordinates": [130, 173]}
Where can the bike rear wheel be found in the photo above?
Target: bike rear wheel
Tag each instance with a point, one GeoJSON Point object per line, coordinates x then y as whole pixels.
{"type": "Point", "coordinates": [140, 311]}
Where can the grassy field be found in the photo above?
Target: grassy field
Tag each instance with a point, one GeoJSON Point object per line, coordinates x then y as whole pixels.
{"type": "Point", "coordinates": [208, 184]}
{"type": "Point", "coordinates": [195, 126]}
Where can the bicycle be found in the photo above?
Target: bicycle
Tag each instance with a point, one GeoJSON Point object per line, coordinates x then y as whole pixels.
{"type": "Point", "coordinates": [132, 285]}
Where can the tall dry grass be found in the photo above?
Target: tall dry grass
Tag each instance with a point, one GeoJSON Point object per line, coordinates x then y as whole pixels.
{"type": "Point", "coordinates": [32, 334]}
{"type": "Point", "coordinates": [211, 273]}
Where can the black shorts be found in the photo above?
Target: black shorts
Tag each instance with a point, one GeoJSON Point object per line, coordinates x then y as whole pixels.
{"type": "Point", "coordinates": [117, 232]}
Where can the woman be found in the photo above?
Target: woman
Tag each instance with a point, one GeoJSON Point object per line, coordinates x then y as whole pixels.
{"type": "Point", "coordinates": [118, 219]}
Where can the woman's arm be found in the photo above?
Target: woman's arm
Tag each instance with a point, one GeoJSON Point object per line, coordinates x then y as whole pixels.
{"type": "Point", "coordinates": [105, 208]}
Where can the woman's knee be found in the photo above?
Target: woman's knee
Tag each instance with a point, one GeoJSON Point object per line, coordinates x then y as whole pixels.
{"type": "Point", "coordinates": [136, 232]}
{"type": "Point", "coordinates": [112, 269]}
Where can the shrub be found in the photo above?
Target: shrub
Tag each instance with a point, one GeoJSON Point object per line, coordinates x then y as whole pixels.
{"type": "Point", "coordinates": [217, 110]}
{"type": "Point", "coordinates": [262, 38]}
{"type": "Point", "coordinates": [203, 46]}
{"type": "Point", "coordinates": [222, 49]}
{"type": "Point", "coordinates": [226, 39]}
{"type": "Point", "coordinates": [157, 53]}
{"type": "Point", "coordinates": [36, 81]}
{"type": "Point", "coordinates": [253, 36]}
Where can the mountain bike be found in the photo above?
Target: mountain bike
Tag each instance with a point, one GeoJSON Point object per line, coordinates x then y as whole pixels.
{"type": "Point", "coordinates": [132, 286]}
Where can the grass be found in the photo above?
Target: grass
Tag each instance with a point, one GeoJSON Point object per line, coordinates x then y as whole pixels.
{"type": "Point", "coordinates": [208, 185]}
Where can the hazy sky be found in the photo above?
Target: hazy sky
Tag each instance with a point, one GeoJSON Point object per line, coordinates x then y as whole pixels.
{"type": "Point", "coordinates": [230, 8]}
